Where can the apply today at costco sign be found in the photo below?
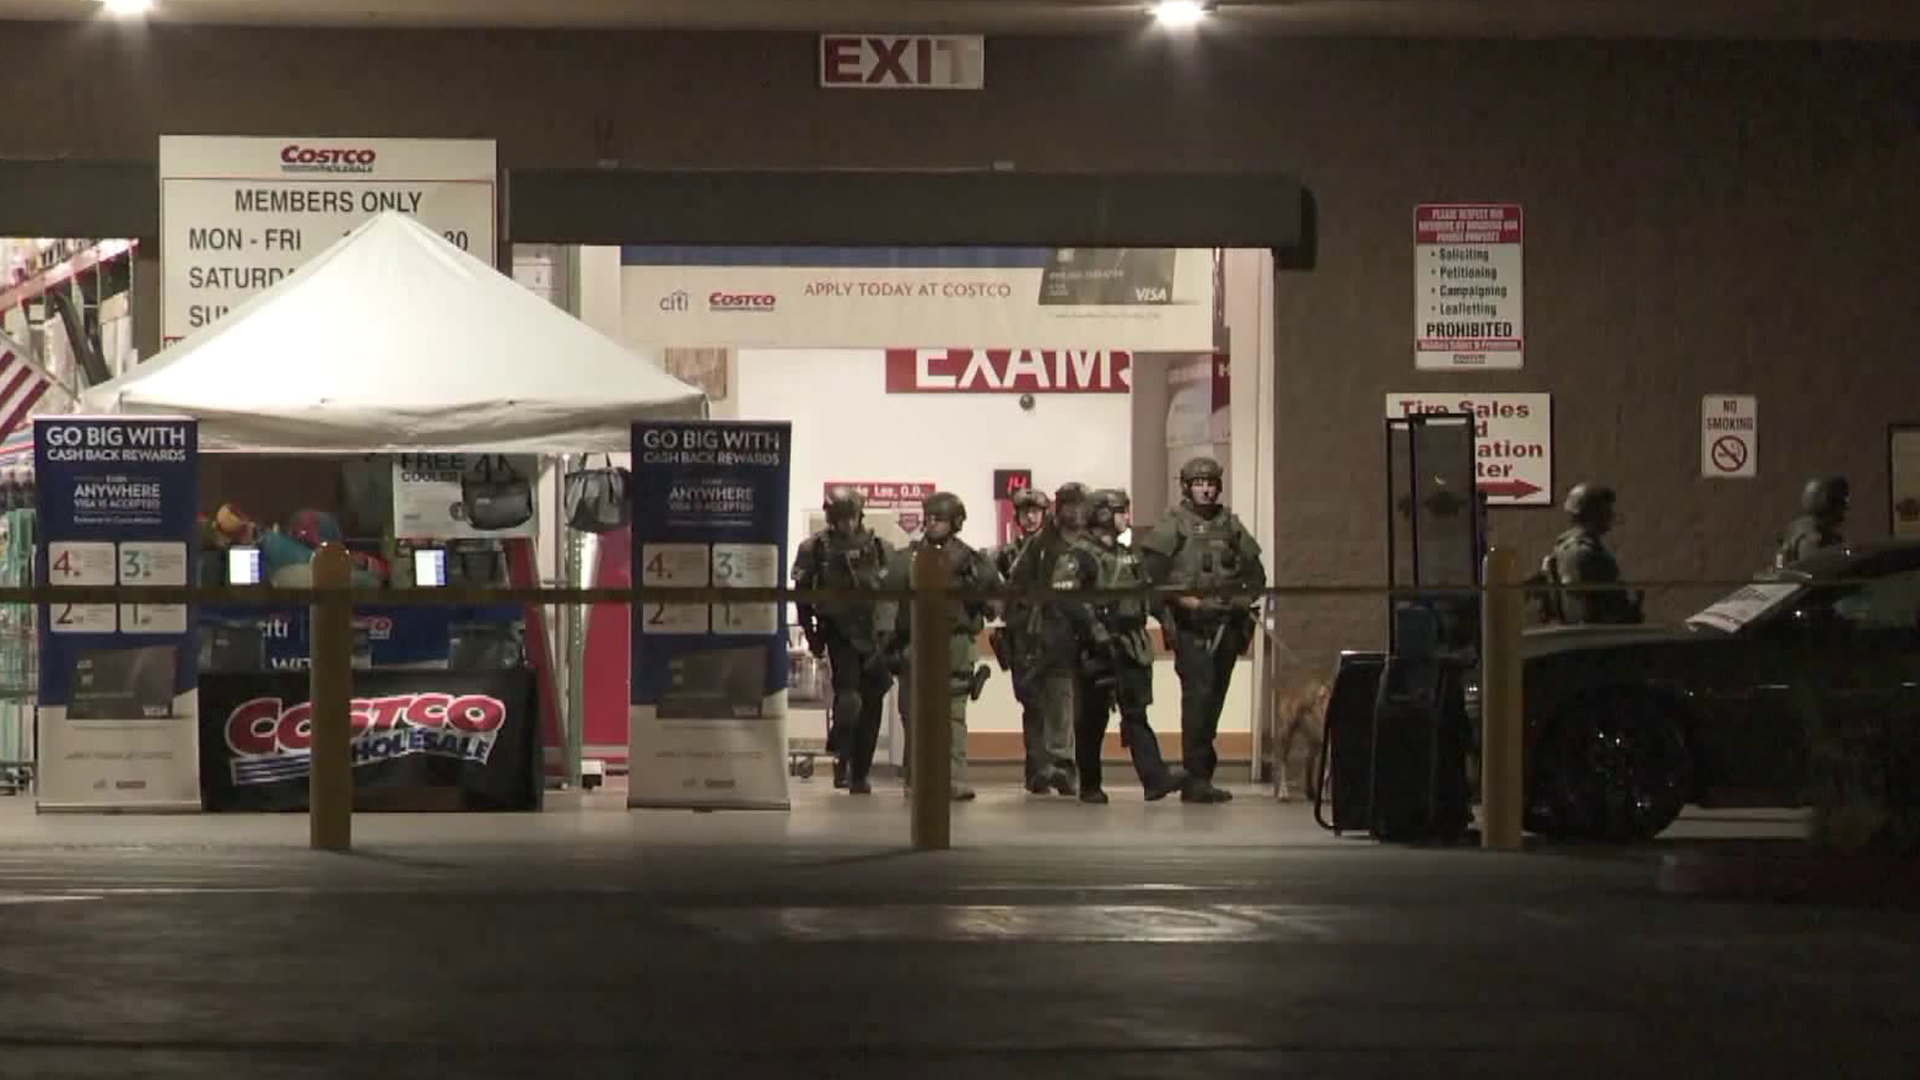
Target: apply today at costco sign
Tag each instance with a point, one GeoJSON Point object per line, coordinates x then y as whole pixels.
{"type": "Point", "coordinates": [1512, 440]}
{"type": "Point", "coordinates": [238, 214]}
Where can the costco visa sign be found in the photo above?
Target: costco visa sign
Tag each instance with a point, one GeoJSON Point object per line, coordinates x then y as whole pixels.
{"type": "Point", "coordinates": [1009, 371]}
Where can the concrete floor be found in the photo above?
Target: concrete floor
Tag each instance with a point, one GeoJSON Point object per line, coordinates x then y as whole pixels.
{"type": "Point", "coordinates": [1056, 939]}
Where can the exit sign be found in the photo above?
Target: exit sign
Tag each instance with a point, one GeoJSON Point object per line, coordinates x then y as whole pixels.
{"type": "Point", "coordinates": [903, 61]}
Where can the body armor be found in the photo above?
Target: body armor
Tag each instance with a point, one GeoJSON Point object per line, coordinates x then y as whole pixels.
{"type": "Point", "coordinates": [830, 560]}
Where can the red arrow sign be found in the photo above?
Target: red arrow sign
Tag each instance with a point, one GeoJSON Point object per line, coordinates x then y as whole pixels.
{"type": "Point", "coordinates": [1511, 489]}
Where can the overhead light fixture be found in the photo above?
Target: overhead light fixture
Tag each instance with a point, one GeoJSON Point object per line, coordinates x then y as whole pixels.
{"type": "Point", "coordinates": [1179, 14]}
{"type": "Point", "coordinates": [127, 7]}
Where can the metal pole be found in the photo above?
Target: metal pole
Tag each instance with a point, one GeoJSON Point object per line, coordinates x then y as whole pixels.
{"type": "Point", "coordinates": [1501, 710]}
{"type": "Point", "coordinates": [930, 747]}
{"type": "Point", "coordinates": [330, 690]}
{"type": "Point", "coordinates": [576, 627]}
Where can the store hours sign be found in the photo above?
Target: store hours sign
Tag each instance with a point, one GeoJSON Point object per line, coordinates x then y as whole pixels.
{"type": "Point", "coordinates": [237, 214]}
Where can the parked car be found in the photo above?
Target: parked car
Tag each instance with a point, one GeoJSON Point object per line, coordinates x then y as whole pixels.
{"type": "Point", "coordinates": [1628, 724]}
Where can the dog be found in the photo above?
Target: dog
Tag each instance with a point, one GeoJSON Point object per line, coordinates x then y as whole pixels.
{"type": "Point", "coordinates": [1298, 732]}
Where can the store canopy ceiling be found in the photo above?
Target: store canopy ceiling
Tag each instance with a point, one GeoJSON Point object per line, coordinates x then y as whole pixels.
{"type": "Point", "coordinates": [394, 340]}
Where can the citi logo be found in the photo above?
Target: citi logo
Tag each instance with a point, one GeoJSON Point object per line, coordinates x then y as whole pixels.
{"type": "Point", "coordinates": [726, 301]}
{"type": "Point", "coordinates": [1150, 294]}
{"type": "Point", "coordinates": [676, 301]}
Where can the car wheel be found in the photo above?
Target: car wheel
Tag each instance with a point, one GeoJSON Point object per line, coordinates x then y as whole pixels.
{"type": "Point", "coordinates": [1613, 767]}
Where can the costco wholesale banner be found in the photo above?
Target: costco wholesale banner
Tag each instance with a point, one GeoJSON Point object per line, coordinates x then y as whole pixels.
{"type": "Point", "coordinates": [708, 719]}
{"type": "Point", "coordinates": [469, 733]}
{"type": "Point", "coordinates": [1148, 299]}
{"type": "Point", "coordinates": [118, 697]}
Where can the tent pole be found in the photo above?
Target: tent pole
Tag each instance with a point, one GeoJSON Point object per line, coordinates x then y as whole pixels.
{"type": "Point", "coordinates": [576, 631]}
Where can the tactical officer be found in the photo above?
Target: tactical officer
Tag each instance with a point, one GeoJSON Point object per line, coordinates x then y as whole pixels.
{"type": "Point", "coordinates": [1580, 557]}
{"type": "Point", "coordinates": [944, 514]}
{"type": "Point", "coordinates": [849, 633]}
{"type": "Point", "coordinates": [1201, 544]}
{"type": "Point", "coordinates": [1825, 504]}
{"type": "Point", "coordinates": [1121, 673]}
{"type": "Point", "coordinates": [1030, 507]}
{"type": "Point", "coordinates": [1056, 631]}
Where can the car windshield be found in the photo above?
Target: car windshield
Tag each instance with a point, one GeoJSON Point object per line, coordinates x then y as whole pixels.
{"type": "Point", "coordinates": [1744, 606]}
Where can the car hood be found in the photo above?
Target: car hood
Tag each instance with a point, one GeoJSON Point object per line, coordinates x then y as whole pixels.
{"type": "Point", "coordinates": [1553, 640]}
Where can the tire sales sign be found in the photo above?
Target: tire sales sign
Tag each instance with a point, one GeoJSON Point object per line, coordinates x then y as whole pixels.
{"type": "Point", "coordinates": [1512, 440]}
{"type": "Point", "coordinates": [238, 214]}
{"type": "Point", "coordinates": [1467, 287]}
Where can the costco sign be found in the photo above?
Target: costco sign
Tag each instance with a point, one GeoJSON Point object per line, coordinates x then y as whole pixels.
{"type": "Point", "coordinates": [902, 62]}
{"type": "Point", "coordinates": [1009, 371]}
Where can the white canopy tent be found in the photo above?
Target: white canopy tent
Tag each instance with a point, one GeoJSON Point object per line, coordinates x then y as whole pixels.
{"type": "Point", "coordinates": [395, 341]}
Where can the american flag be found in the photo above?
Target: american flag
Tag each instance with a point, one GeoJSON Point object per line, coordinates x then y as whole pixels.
{"type": "Point", "coordinates": [23, 383]}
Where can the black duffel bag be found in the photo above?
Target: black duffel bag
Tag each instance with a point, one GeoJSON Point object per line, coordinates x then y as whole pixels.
{"type": "Point", "coordinates": [495, 495]}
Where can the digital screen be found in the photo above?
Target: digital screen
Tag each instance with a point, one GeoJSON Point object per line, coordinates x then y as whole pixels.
{"type": "Point", "coordinates": [243, 566]}
{"type": "Point", "coordinates": [429, 568]}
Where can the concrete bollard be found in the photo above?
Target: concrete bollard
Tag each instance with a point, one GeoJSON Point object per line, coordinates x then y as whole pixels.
{"type": "Point", "coordinates": [930, 746]}
{"type": "Point", "coordinates": [330, 689]}
{"type": "Point", "coordinates": [1502, 716]}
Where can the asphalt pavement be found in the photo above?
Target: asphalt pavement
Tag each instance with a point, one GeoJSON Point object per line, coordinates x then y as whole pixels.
{"type": "Point", "coordinates": [1132, 940]}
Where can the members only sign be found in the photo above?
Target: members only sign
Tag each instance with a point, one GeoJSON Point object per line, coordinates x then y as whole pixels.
{"type": "Point", "coordinates": [1467, 287]}
{"type": "Point", "coordinates": [1513, 440]}
{"type": "Point", "coordinates": [237, 214]}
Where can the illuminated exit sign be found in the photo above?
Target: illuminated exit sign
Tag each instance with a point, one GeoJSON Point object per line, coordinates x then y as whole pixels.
{"type": "Point", "coordinates": [903, 61]}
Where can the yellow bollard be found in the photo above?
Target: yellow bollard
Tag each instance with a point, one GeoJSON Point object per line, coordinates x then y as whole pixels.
{"type": "Point", "coordinates": [1502, 791]}
{"type": "Point", "coordinates": [930, 746]}
{"type": "Point", "coordinates": [330, 689]}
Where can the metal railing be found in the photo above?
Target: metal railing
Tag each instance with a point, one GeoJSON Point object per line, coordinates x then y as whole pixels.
{"type": "Point", "coordinates": [331, 599]}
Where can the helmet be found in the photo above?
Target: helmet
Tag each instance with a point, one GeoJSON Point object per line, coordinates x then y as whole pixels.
{"type": "Point", "coordinates": [1587, 499]}
{"type": "Point", "coordinates": [1028, 497]}
{"type": "Point", "coordinates": [947, 506]}
{"type": "Point", "coordinates": [844, 502]}
{"type": "Point", "coordinates": [1108, 502]}
{"type": "Point", "coordinates": [1827, 496]}
{"type": "Point", "coordinates": [1070, 492]}
{"type": "Point", "coordinates": [1201, 468]}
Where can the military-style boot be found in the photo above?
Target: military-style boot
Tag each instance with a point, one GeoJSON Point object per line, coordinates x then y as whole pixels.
{"type": "Point", "coordinates": [1203, 791]}
{"type": "Point", "coordinates": [1165, 784]}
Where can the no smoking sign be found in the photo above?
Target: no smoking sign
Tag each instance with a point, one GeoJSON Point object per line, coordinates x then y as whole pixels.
{"type": "Point", "coordinates": [1729, 436]}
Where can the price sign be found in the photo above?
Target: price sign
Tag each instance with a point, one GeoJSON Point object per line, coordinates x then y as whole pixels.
{"type": "Point", "coordinates": [153, 618]}
{"type": "Point", "coordinates": [153, 563]}
{"type": "Point", "coordinates": [82, 618]}
{"type": "Point", "coordinates": [81, 563]}
{"type": "Point", "coordinates": [674, 565]}
{"type": "Point", "coordinates": [669, 619]}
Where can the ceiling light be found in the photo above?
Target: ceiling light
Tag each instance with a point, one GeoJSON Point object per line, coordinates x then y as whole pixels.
{"type": "Point", "coordinates": [1181, 13]}
{"type": "Point", "coordinates": [127, 7]}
